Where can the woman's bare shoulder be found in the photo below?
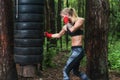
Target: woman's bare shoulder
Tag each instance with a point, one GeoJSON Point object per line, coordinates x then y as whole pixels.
{"type": "Point", "coordinates": [80, 19]}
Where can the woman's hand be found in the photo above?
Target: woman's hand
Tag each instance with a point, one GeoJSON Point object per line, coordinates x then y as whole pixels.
{"type": "Point", "coordinates": [66, 20]}
{"type": "Point", "coordinates": [48, 35]}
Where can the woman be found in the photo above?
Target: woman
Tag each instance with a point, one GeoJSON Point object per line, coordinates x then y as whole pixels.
{"type": "Point", "coordinates": [73, 26]}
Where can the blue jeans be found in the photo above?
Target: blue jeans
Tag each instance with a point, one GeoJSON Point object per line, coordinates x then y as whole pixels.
{"type": "Point", "coordinates": [73, 64]}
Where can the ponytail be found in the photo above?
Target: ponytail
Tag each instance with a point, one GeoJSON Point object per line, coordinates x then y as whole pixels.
{"type": "Point", "coordinates": [73, 12]}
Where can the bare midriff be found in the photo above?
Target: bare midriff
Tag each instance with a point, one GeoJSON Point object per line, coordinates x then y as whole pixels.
{"type": "Point", "coordinates": [77, 40]}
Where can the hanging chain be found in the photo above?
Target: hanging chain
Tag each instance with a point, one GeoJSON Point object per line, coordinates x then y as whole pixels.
{"type": "Point", "coordinates": [17, 9]}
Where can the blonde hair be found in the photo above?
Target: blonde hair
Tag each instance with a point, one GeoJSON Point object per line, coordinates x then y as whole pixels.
{"type": "Point", "coordinates": [71, 12]}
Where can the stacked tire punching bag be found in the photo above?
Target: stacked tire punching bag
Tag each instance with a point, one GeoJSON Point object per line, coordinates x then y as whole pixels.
{"type": "Point", "coordinates": [28, 31]}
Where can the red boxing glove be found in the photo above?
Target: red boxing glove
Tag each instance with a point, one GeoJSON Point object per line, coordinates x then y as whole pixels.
{"type": "Point", "coordinates": [48, 35]}
{"type": "Point", "coordinates": [66, 20]}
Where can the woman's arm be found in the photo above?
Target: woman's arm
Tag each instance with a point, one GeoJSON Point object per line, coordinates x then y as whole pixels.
{"type": "Point", "coordinates": [77, 25]}
{"type": "Point", "coordinates": [58, 35]}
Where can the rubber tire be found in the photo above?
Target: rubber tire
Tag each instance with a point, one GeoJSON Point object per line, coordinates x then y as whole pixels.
{"type": "Point", "coordinates": [31, 9]}
{"type": "Point", "coordinates": [28, 42]}
{"type": "Point", "coordinates": [28, 26]}
{"type": "Point", "coordinates": [39, 2]}
{"type": "Point", "coordinates": [30, 18]}
{"type": "Point", "coordinates": [28, 50]}
{"type": "Point", "coordinates": [33, 34]}
{"type": "Point", "coordinates": [28, 59]}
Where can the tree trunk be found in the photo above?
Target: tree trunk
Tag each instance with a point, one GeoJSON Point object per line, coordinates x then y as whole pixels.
{"type": "Point", "coordinates": [79, 7]}
{"type": "Point", "coordinates": [59, 20]}
{"type": "Point", "coordinates": [67, 38]}
{"type": "Point", "coordinates": [7, 65]}
{"type": "Point", "coordinates": [46, 20]}
{"type": "Point", "coordinates": [52, 20]}
{"type": "Point", "coordinates": [67, 3]}
{"type": "Point", "coordinates": [96, 38]}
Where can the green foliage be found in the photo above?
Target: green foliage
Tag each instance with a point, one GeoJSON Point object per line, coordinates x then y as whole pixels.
{"type": "Point", "coordinates": [114, 55]}
{"type": "Point", "coordinates": [114, 19]}
{"type": "Point", "coordinates": [49, 55]}
{"type": "Point", "coordinates": [114, 35]}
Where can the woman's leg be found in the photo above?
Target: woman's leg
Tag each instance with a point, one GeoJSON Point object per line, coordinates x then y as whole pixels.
{"type": "Point", "coordinates": [68, 68]}
{"type": "Point", "coordinates": [76, 71]}
{"type": "Point", "coordinates": [76, 54]}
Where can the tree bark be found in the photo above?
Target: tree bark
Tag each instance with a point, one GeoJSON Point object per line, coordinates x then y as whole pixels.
{"type": "Point", "coordinates": [79, 7]}
{"type": "Point", "coordinates": [47, 20]}
{"type": "Point", "coordinates": [96, 38]}
{"type": "Point", "coordinates": [59, 20]}
{"type": "Point", "coordinates": [7, 65]}
{"type": "Point", "coordinates": [52, 21]}
{"type": "Point", "coordinates": [67, 38]}
{"type": "Point", "coordinates": [67, 3]}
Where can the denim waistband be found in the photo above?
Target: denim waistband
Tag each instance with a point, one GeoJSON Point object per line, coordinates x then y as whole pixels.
{"type": "Point", "coordinates": [76, 47]}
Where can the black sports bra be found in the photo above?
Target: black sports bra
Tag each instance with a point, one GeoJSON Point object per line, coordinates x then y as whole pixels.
{"type": "Point", "coordinates": [77, 32]}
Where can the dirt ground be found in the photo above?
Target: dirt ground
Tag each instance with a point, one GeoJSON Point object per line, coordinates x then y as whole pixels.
{"type": "Point", "coordinates": [55, 73]}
